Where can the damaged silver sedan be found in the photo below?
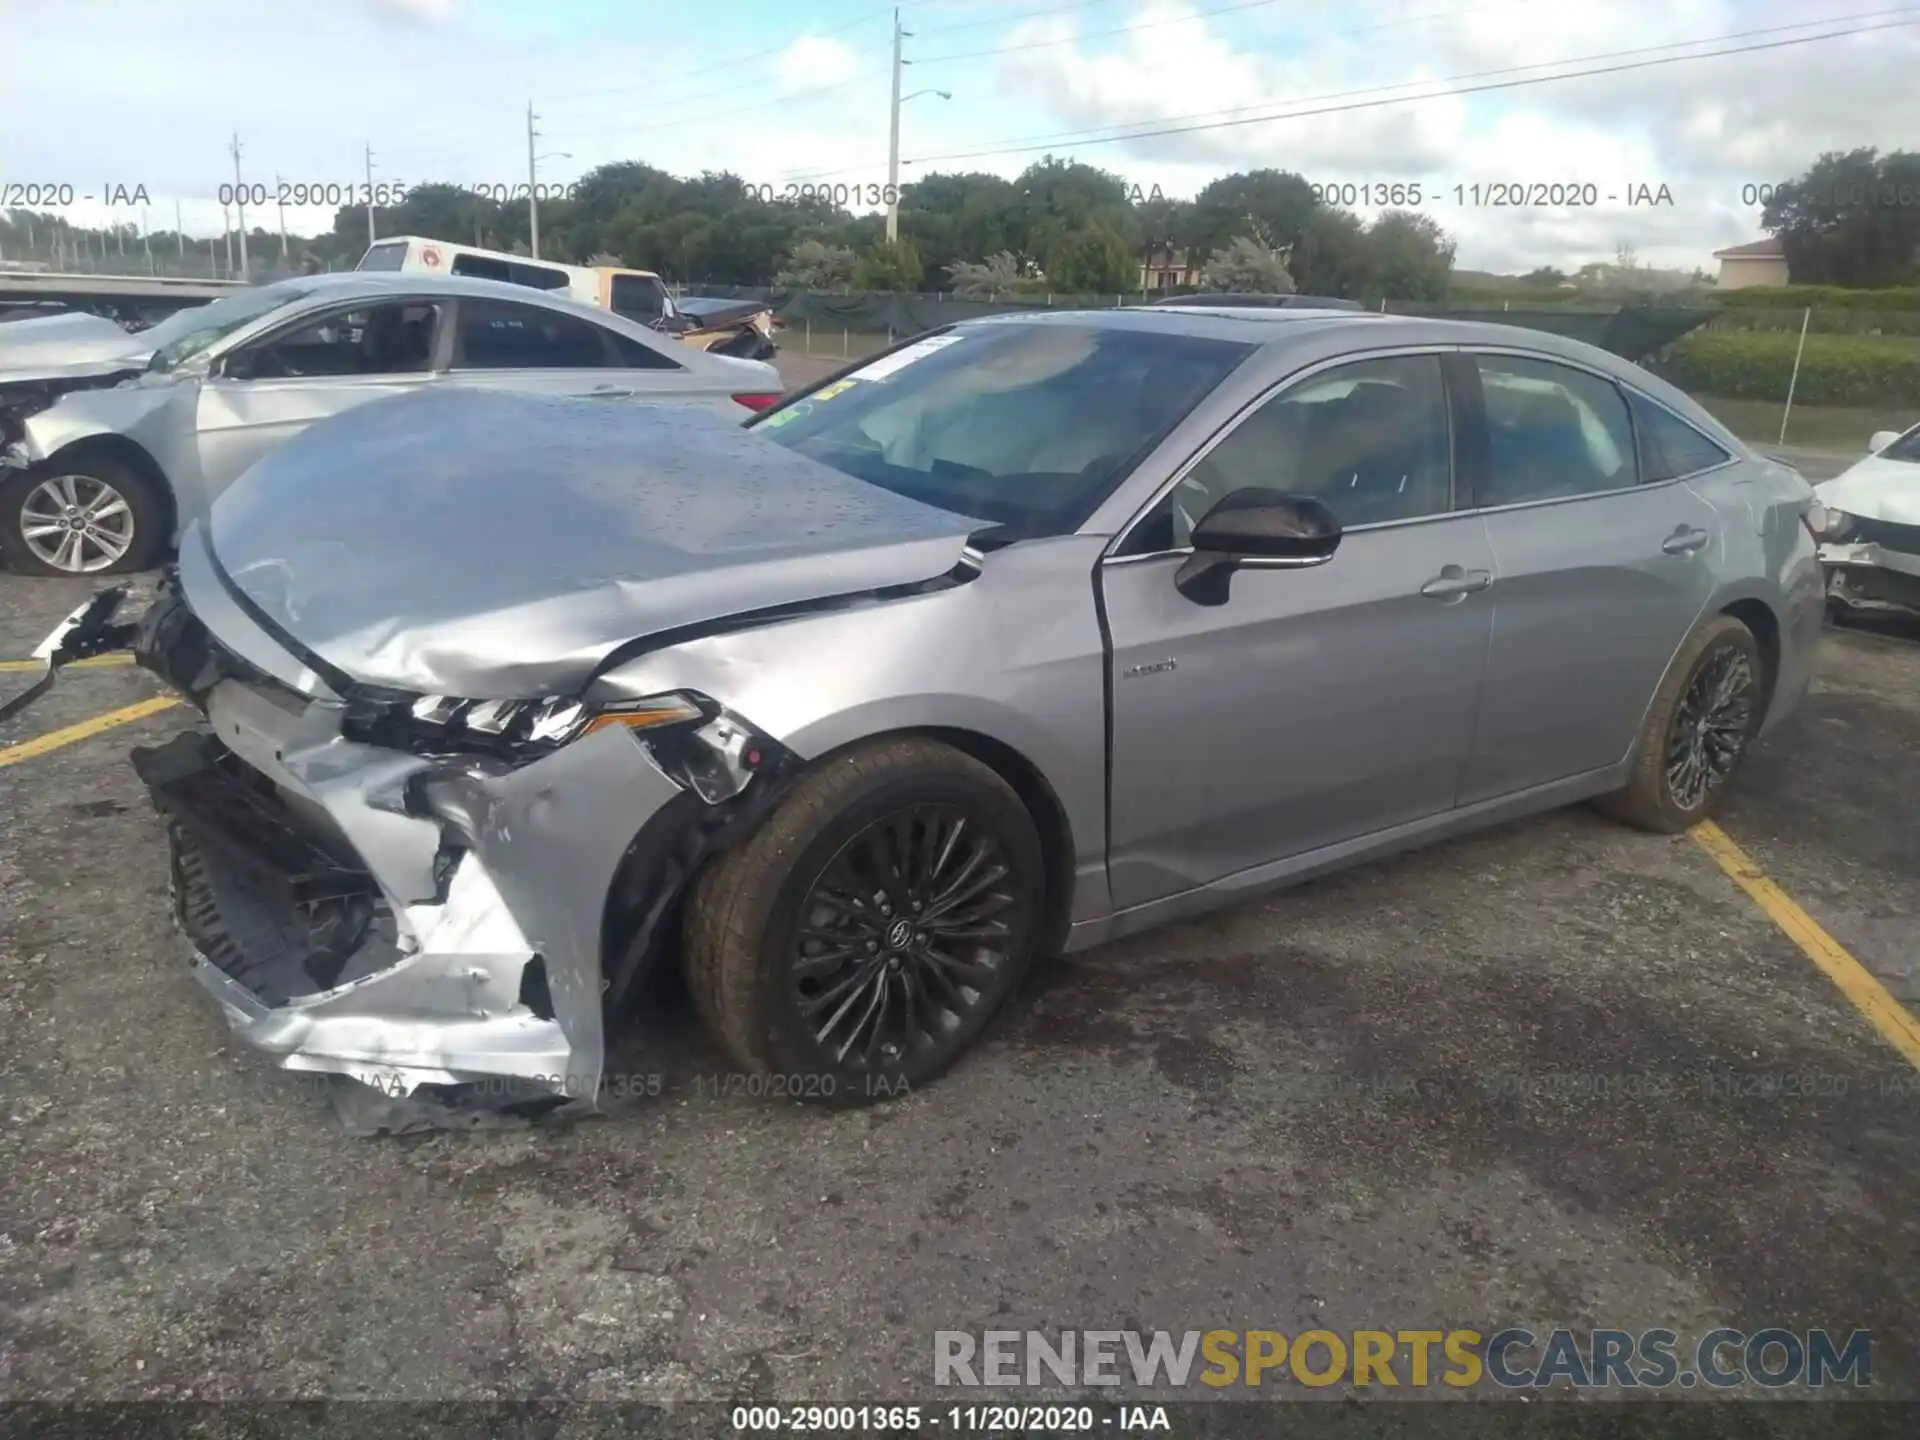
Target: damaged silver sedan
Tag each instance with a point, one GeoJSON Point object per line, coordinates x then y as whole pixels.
{"type": "Point", "coordinates": [1022, 636]}
{"type": "Point", "coordinates": [1871, 541]}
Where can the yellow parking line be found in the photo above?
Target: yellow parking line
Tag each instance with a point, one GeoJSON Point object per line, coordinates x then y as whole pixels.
{"type": "Point", "coordinates": [119, 657]}
{"type": "Point", "coordinates": [1868, 995]}
{"type": "Point", "coordinates": [86, 729]}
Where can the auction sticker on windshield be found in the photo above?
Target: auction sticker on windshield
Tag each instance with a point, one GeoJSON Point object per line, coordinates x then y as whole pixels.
{"type": "Point", "coordinates": [900, 359]}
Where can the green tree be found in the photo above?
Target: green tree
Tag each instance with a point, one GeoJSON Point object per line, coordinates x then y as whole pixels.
{"type": "Point", "coordinates": [889, 266]}
{"type": "Point", "coordinates": [1272, 206]}
{"type": "Point", "coordinates": [1245, 266]}
{"type": "Point", "coordinates": [997, 275]}
{"type": "Point", "coordinates": [1093, 260]}
{"type": "Point", "coordinates": [1852, 219]}
{"type": "Point", "coordinates": [816, 265]}
{"type": "Point", "coordinates": [1411, 256]}
{"type": "Point", "coordinates": [1333, 257]}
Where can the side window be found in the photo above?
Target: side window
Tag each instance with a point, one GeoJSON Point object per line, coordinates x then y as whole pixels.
{"type": "Point", "coordinates": [1669, 446]}
{"type": "Point", "coordinates": [1370, 439]}
{"type": "Point", "coordinates": [378, 340]}
{"type": "Point", "coordinates": [539, 277]}
{"type": "Point", "coordinates": [638, 298]}
{"type": "Point", "coordinates": [499, 335]}
{"type": "Point", "coordinates": [481, 268]}
{"type": "Point", "coordinates": [638, 355]}
{"type": "Point", "coordinates": [1554, 432]}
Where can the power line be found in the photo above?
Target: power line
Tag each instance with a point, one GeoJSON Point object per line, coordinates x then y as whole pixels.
{"type": "Point", "coordinates": [861, 19]}
{"type": "Point", "coordinates": [1462, 90]}
{"type": "Point", "coordinates": [1399, 23]}
{"type": "Point", "coordinates": [1071, 139]}
{"type": "Point", "coordinates": [1095, 34]}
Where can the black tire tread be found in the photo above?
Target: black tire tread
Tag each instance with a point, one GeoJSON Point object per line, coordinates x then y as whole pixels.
{"type": "Point", "coordinates": [149, 515]}
{"type": "Point", "coordinates": [735, 893]}
{"type": "Point", "coordinates": [1642, 802]}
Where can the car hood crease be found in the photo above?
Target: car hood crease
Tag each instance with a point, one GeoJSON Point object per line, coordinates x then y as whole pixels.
{"type": "Point", "coordinates": [492, 545]}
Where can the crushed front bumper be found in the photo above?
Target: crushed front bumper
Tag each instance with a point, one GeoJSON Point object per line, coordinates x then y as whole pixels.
{"type": "Point", "coordinates": [1869, 575]}
{"type": "Point", "coordinates": [400, 919]}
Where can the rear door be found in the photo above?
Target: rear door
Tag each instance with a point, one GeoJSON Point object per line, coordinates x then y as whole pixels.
{"type": "Point", "coordinates": [1602, 567]}
{"type": "Point", "coordinates": [504, 345]}
{"type": "Point", "coordinates": [1315, 705]}
{"type": "Point", "coordinates": [319, 365]}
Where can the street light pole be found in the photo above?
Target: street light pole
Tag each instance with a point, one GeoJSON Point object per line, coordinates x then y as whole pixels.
{"type": "Point", "coordinates": [533, 198]}
{"type": "Point", "coordinates": [240, 204]}
{"type": "Point", "coordinates": [893, 139]}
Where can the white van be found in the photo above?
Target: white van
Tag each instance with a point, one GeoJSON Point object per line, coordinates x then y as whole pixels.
{"type": "Point", "coordinates": [742, 328]}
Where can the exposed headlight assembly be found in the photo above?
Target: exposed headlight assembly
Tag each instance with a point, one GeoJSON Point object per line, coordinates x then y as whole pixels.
{"type": "Point", "coordinates": [509, 729]}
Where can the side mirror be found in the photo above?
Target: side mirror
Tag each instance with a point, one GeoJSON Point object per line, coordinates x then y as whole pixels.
{"type": "Point", "coordinates": [1261, 528]}
{"type": "Point", "coordinates": [1881, 439]}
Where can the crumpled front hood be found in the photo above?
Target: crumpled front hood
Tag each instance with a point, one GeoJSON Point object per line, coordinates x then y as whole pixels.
{"type": "Point", "coordinates": [494, 545]}
{"type": "Point", "coordinates": [58, 347]}
{"type": "Point", "coordinates": [1876, 489]}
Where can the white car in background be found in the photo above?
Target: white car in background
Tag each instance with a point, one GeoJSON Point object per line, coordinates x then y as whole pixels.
{"type": "Point", "coordinates": [101, 480]}
{"type": "Point", "coordinates": [1871, 547]}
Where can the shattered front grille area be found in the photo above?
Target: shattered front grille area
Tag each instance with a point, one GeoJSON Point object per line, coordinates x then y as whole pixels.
{"type": "Point", "coordinates": [280, 950]}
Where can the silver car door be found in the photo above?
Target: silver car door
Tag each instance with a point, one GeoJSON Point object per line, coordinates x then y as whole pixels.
{"type": "Point", "coordinates": [506, 345]}
{"type": "Point", "coordinates": [1600, 576]}
{"type": "Point", "coordinates": [268, 391]}
{"type": "Point", "coordinates": [1315, 705]}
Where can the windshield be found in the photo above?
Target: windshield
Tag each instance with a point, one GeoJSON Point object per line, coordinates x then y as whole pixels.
{"type": "Point", "coordinates": [1906, 448]}
{"type": "Point", "coordinates": [186, 333]}
{"type": "Point", "coordinates": [1026, 425]}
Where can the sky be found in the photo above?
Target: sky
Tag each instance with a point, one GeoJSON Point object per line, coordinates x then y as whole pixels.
{"type": "Point", "coordinates": [99, 94]}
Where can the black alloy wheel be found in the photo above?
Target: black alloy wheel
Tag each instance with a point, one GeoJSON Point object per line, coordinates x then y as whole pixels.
{"type": "Point", "coordinates": [905, 937]}
{"type": "Point", "coordinates": [1711, 726]}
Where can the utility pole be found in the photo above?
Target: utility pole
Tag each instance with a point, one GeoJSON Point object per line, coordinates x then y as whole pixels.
{"type": "Point", "coordinates": [533, 203]}
{"type": "Point", "coordinates": [226, 228]}
{"type": "Point", "coordinates": [240, 201]}
{"type": "Point", "coordinates": [369, 197]}
{"type": "Point", "coordinates": [180, 233]}
{"type": "Point", "coordinates": [146, 240]}
{"type": "Point", "coordinates": [893, 139]}
{"type": "Point", "coordinates": [280, 194]}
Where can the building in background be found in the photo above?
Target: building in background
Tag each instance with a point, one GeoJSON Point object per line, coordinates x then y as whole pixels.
{"type": "Point", "coordinates": [1763, 262]}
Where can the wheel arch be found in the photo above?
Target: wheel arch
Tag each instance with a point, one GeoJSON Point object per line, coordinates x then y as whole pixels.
{"type": "Point", "coordinates": [128, 452]}
{"type": "Point", "coordinates": [1760, 618]}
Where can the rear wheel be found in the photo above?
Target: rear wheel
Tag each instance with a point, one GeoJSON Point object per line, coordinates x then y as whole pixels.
{"type": "Point", "coordinates": [872, 927]}
{"type": "Point", "coordinates": [1703, 718]}
{"type": "Point", "coordinates": [94, 516]}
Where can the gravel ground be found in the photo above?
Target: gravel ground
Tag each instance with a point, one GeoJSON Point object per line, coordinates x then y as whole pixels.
{"type": "Point", "coordinates": [1557, 1073]}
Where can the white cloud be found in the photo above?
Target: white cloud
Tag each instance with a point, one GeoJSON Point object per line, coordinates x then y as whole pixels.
{"type": "Point", "coordinates": [434, 12]}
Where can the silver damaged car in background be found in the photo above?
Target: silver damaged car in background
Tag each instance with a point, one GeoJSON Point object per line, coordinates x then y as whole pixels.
{"type": "Point", "coordinates": [1022, 636]}
{"type": "Point", "coordinates": [1871, 541]}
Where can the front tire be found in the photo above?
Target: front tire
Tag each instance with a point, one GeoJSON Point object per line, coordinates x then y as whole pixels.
{"type": "Point", "coordinates": [92, 516]}
{"type": "Point", "coordinates": [1703, 717]}
{"type": "Point", "coordinates": [870, 930]}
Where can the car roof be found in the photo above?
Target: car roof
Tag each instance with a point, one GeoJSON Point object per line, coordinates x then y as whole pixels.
{"type": "Point", "coordinates": [1281, 327]}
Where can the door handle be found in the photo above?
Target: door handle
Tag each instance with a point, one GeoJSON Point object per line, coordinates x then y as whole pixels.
{"type": "Point", "coordinates": [1453, 583]}
{"type": "Point", "coordinates": [1685, 540]}
{"type": "Point", "coordinates": [611, 392]}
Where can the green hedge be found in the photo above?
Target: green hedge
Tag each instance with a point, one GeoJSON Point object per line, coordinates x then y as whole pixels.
{"type": "Point", "coordinates": [1757, 365]}
{"type": "Point", "coordinates": [1799, 297]}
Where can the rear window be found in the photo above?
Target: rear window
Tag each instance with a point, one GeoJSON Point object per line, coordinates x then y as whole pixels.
{"type": "Point", "coordinates": [391, 256]}
{"type": "Point", "coordinates": [1027, 425]}
{"type": "Point", "coordinates": [1669, 446]}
